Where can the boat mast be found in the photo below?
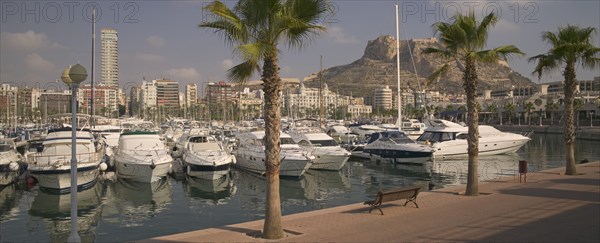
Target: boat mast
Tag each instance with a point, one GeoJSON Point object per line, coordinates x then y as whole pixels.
{"type": "Point", "coordinates": [399, 121]}
{"type": "Point", "coordinates": [92, 122]}
{"type": "Point", "coordinates": [321, 93]}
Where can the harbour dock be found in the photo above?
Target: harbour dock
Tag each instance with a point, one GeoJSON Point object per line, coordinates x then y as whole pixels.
{"type": "Point", "coordinates": [549, 207]}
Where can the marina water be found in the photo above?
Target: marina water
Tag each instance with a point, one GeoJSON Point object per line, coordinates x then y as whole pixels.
{"type": "Point", "coordinates": [124, 211]}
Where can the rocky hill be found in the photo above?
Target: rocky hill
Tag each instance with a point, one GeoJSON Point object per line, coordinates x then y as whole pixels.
{"type": "Point", "coordinates": [377, 67]}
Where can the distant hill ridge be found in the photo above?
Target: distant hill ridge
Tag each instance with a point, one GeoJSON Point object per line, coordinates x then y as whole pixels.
{"type": "Point", "coordinates": [377, 68]}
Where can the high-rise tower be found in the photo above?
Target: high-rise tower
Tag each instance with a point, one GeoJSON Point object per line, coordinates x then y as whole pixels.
{"type": "Point", "coordinates": [110, 57]}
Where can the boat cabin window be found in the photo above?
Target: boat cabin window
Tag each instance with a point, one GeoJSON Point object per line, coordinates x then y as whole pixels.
{"type": "Point", "coordinates": [5, 148]}
{"type": "Point", "coordinates": [436, 136]}
{"type": "Point", "coordinates": [304, 143]}
{"type": "Point", "coordinates": [286, 141]}
{"type": "Point", "coordinates": [324, 143]}
{"type": "Point", "coordinates": [462, 136]}
{"type": "Point", "coordinates": [198, 140]}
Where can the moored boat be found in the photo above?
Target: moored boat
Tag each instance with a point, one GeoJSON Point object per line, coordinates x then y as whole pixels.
{"type": "Point", "coordinates": [52, 166]}
{"type": "Point", "coordinates": [142, 156]}
{"type": "Point", "coordinates": [449, 139]}
{"type": "Point", "coordinates": [250, 155]}
{"type": "Point", "coordinates": [205, 157]}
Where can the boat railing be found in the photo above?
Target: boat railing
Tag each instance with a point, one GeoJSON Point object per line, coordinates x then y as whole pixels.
{"type": "Point", "coordinates": [140, 152]}
{"type": "Point", "coordinates": [8, 154]}
{"type": "Point", "coordinates": [63, 159]}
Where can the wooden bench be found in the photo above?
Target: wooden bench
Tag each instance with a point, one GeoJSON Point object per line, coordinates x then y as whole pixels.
{"type": "Point", "coordinates": [408, 193]}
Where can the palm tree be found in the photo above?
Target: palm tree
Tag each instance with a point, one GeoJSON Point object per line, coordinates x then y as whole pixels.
{"type": "Point", "coordinates": [255, 29]}
{"type": "Point", "coordinates": [551, 107]}
{"type": "Point", "coordinates": [492, 109]}
{"type": "Point", "coordinates": [528, 108]}
{"type": "Point", "coordinates": [509, 108]}
{"type": "Point", "coordinates": [570, 46]}
{"type": "Point", "coordinates": [462, 42]}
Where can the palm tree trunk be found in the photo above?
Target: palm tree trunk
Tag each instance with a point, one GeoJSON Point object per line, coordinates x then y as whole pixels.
{"type": "Point", "coordinates": [569, 119]}
{"type": "Point", "coordinates": [272, 228]}
{"type": "Point", "coordinates": [470, 85]}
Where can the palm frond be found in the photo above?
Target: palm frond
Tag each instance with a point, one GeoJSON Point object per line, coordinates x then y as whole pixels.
{"type": "Point", "coordinates": [242, 72]}
{"type": "Point", "coordinates": [438, 73]}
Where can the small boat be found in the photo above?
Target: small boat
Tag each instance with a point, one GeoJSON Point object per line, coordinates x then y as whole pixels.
{"type": "Point", "coordinates": [51, 167]}
{"type": "Point", "coordinates": [205, 157]}
{"type": "Point", "coordinates": [11, 162]}
{"type": "Point", "coordinates": [449, 139]}
{"type": "Point", "coordinates": [413, 128]}
{"type": "Point", "coordinates": [328, 153]}
{"type": "Point", "coordinates": [110, 134]}
{"type": "Point", "coordinates": [341, 134]}
{"type": "Point", "coordinates": [396, 147]}
{"type": "Point", "coordinates": [142, 156]}
{"type": "Point", "coordinates": [250, 155]}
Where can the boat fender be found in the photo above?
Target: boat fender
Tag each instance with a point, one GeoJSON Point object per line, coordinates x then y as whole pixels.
{"type": "Point", "coordinates": [153, 165]}
{"type": "Point", "coordinates": [233, 159]}
{"type": "Point", "coordinates": [103, 166]}
{"type": "Point", "coordinates": [171, 169]}
{"type": "Point", "coordinates": [13, 166]}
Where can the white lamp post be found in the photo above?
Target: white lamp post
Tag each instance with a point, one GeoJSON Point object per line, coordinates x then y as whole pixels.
{"type": "Point", "coordinates": [72, 76]}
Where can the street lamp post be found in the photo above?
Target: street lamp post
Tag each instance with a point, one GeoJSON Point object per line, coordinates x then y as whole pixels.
{"type": "Point", "coordinates": [72, 76]}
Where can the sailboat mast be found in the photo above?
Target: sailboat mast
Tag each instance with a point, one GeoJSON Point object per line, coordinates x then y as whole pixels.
{"type": "Point", "coordinates": [399, 121]}
{"type": "Point", "coordinates": [92, 122]}
{"type": "Point", "coordinates": [321, 94]}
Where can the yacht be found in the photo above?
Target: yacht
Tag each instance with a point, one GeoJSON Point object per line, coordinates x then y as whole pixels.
{"type": "Point", "coordinates": [449, 139]}
{"type": "Point", "coordinates": [111, 136]}
{"type": "Point", "coordinates": [341, 134]}
{"type": "Point", "coordinates": [51, 165]}
{"type": "Point", "coordinates": [328, 153]}
{"type": "Point", "coordinates": [205, 157]}
{"type": "Point", "coordinates": [413, 128]}
{"type": "Point", "coordinates": [11, 162]}
{"type": "Point", "coordinates": [142, 156]}
{"type": "Point", "coordinates": [396, 147]}
{"type": "Point", "coordinates": [250, 154]}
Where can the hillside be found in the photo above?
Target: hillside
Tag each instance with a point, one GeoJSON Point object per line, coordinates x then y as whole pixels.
{"type": "Point", "coordinates": [377, 67]}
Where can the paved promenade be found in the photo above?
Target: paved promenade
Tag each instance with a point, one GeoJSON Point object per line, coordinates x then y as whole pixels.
{"type": "Point", "coordinates": [550, 207]}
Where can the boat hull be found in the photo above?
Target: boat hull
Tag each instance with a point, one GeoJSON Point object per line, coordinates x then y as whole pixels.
{"type": "Point", "coordinates": [329, 161]}
{"type": "Point", "coordinates": [288, 167]}
{"type": "Point", "coordinates": [142, 172]}
{"type": "Point", "coordinates": [209, 165]}
{"type": "Point", "coordinates": [207, 172]}
{"type": "Point", "coordinates": [59, 179]}
{"type": "Point", "coordinates": [459, 148]}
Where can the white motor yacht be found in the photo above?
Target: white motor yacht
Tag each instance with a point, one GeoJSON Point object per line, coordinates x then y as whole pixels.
{"type": "Point", "coordinates": [51, 167]}
{"type": "Point", "coordinates": [111, 136]}
{"type": "Point", "coordinates": [396, 147]}
{"type": "Point", "coordinates": [450, 139]}
{"type": "Point", "coordinates": [341, 134]}
{"type": "Point", "coordinates": [205, 157]}
{"type": "Point", "coordinates": [142, 156]}
{"type": "Point", "coordinates": [250, 155]}
{"type": "Point", "coordinates": [328, 153]}
{"type": "Point", "coordinates": [11, 162]}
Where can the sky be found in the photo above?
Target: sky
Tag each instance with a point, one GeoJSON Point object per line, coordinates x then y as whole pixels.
{"type": "Point", "coordinates": [161, 39]}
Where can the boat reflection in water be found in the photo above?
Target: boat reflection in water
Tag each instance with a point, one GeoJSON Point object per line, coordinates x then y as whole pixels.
{"type": "Point", "coordinates": [451, 172]}
{"type": "Point", "coordinates": [324, 184]}
{"type": "Point", "coordinates": [297, 194]}
{"type": "Point", "coordinates": [9, 202]}
{"type": "Point", "coordinates": [132, 202]}
{"type": "Point", "coordinates": [55, 210]}
{"type": "Point", "coordinates": [213, 192]}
